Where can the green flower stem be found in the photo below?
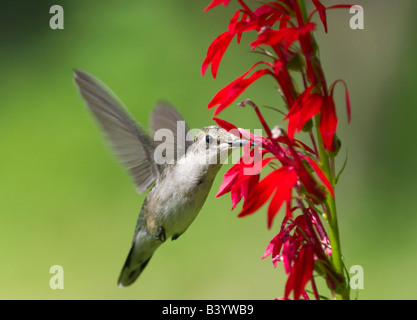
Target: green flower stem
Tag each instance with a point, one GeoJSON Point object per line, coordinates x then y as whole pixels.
{"type": "Point", "coordinates": [331, 214]}
{"type": "Point", "coordinates": [343, 292]}
{"type": "Point", "coordinates": [301, 4]}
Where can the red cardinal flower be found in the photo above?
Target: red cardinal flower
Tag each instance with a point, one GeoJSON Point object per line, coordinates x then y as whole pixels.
{"type": "Point", "coordinates": [215, 53]}
{"type": "Point", "coordinates": [291, 246]}
{"type": "Point", "coordinates": [265, 16]}
{"type": "Point", "coordinates": [229, 93]}
{"type": "Point", "coordinates": [297, 246]}
{"type": "Point", "coordinates": [241, 179]}
{"type": "Point", "coordinates": [320, 174]}
{"type": "Point", "coordinates": [301, 272]}
{"type": "Point", "coordinates": [278, 185]}
{"type": "Point", "coordinates": [328, 122]}
{"type": "Point", "coordinates": [216, 3]}
{"type": "Point", "coordinates": [322, 13]}
{"type": "Point", "coordinates": [307, 106]}
{"type": "Point", "coordinates": [286, 33]}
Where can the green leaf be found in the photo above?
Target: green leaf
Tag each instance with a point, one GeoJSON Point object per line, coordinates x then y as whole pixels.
{"type": "Point", "coordinates": [343, 167]}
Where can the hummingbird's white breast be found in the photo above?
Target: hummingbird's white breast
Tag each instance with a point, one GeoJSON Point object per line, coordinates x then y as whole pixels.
{"type": "Point", "coordinates": [178, 196]}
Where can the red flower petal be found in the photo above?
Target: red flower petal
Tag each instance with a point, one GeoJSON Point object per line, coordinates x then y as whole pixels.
{"type": "Point", "coordinates": [337, 6]}
{"type": "Point", "coordinates": [228, 180]}
{"type": "Point", "coordinates": [322, 13]}
{"type": "Point", "coordinates": [348, 109]}
{"type": "Point", "coordinates": [243, 176]}
{"type": "Point", "coordinates": [260, 194]}
{"type": "Point", "coordinates": [229, 93]}
{"type": "Point", "coordinates": [285, 181]}
{"type": "Point", "coordinates": [274, 242]}
{"type": "Point", "coordinates": [310, 184]}
{"type": "Point", "coordinates": [302, 270]}
{"type": "Point", "coordinates": [328, 122]}
{"type": "Point", "coordinates": [236, 194]}
{"type": "Point", "coordinates": [216, 3]}
{"type": "Point", "coordinates": [215, 53]}
{"type": "Point", "coordinates": [281, 181]}
{"type": "Point", "coordinates": [287, 35]}
{"type": "Point", "coordinates": [235, 24]}
{"type": "Point", "coordinates": [321, 175]}
{"type": "Point", "coordinates": [306, 107]}
{"type": "Point", "coordinates": [230, 127]}
{"type": "Point", "coordinates": [270, 37]}
{"type": "Point", "coordinates": [248, 184]}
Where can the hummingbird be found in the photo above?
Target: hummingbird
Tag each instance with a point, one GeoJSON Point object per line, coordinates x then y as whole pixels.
{"type": "Point", "coordinates": [179, 186]}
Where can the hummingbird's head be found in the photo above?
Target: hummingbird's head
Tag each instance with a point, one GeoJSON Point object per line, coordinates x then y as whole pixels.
{"type": "Point", "coordinates": [213, 144]}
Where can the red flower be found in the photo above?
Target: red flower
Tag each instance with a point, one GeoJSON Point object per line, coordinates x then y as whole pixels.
{"type": "Point", "coordinates": [297, 246]}
{"type": "Point", "coordinates": [320, 174]}
{"type": "Point", "coordinates": [328, 122]}
{"type": "Point", "coordinates": [346, 96]}
{"type": "Point", "coordinates": [229, 93]}
{"type": "Point", "coordinates": [264, 16]}
{"type": "Point", "coordinates": [307, 106]}
{"type": "Point", "coordinates": [302, 243]}
{"type": "Point", "coordinates": [277, 184]}
{"type": "Point", "coordinates": [274, 248]}
{"type": "Point", "coordinates": [301, 272]}
{"type": "Point", "coordinates": [216, 3]}
{"type": "Point", "coordinates": [322, 13]}
{"type": "Point", "coordinates": [288, 36]}
{"type": "Point", "coordinates": [296, 253]}
{"type": "Point", "coordinates": [240, 179]}
{"type": "Point", "coordinates": [215, 53]}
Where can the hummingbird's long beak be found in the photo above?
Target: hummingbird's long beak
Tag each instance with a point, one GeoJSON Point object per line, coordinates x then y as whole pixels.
{"type": "Point", "coordinates": [239, 143]}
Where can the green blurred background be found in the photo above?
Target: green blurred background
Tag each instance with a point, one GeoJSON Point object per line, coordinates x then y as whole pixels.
{"type": "Point", "coordinates": [65, 201]}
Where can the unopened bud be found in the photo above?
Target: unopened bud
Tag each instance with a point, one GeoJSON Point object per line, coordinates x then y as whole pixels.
{"type": "Point", "coordinates": [337, 144]}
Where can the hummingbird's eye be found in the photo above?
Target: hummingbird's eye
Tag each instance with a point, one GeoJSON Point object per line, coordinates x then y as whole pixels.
{"type": "Point", "coordinates": [209, 139]}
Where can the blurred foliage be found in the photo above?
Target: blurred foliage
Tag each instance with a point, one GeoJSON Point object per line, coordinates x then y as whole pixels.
{"type": "Point", "coordinates": [64, 200]}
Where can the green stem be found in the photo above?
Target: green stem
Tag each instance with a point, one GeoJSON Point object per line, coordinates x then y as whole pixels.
{"type": "Point", "coordinates": [302, 6]}
{"type": "Point", "coordinates": [324, 160]}
{"type": "Point", "coordinates": [332, 218]}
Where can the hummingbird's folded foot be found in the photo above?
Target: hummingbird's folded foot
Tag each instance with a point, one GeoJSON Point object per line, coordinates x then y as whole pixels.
{"type": "Point", "coordinates": [176, 236]}
{"type": "Point", "coordinates": [161, 236]}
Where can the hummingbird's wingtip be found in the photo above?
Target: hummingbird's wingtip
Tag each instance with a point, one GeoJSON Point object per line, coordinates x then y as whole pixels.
{"type": "Point", "coordinates": [80, 73]}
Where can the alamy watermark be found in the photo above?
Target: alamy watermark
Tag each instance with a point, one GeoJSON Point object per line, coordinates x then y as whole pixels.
{"type": "Point", "coordinates": [357, 277]}
{"type": "Point", "coordinates": [57, 280]}
{"type": "Point", "coordinates": [357, 20]}
{"type": "Point", "coordinates": [57, 20]}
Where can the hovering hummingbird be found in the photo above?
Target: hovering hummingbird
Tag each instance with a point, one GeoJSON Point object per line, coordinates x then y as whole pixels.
{"type": "Point", "coordinates": [179, 187]}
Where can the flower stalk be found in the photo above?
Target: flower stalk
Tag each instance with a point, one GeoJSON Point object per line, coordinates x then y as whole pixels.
{"type": "Point", "coordinates": [303, 178]}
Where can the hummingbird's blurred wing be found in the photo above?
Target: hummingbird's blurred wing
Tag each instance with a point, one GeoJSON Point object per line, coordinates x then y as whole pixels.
{"type": "Point", "coordinates": [165, 116]}
{"type": "Point", "coordinates": [132, 146]}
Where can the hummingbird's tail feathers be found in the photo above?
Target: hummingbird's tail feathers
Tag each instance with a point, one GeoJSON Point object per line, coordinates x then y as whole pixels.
{"type": "Point", "coordinates": [129, 272]}
{"type": "Point", "coordinates": [143, 247]}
